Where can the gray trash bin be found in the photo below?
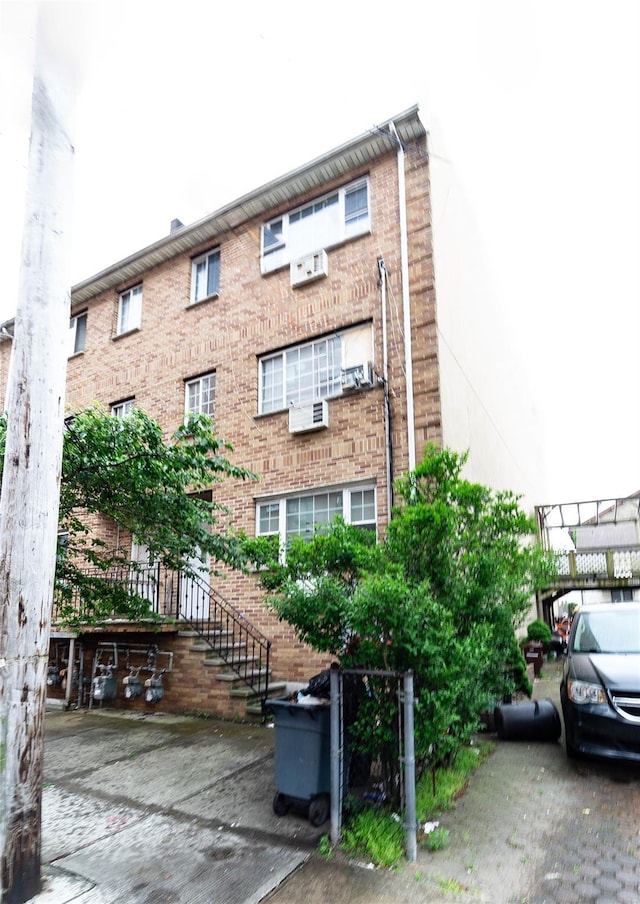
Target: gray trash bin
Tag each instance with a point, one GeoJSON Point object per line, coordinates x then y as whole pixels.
{"type": "Point", "coordinates": [303, 756]}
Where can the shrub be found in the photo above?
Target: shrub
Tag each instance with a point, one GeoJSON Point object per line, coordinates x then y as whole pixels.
{"type": "Point", "coordinates": [538, 630]}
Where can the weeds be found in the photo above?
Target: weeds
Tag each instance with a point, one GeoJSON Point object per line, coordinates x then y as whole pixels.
{"type": "Point", "coordinates": [325, 847]}
{"type": "Point", "coordinates": [377, 834]}
{"type": "Point", "coordinates": [449, 782]}
{"type": "Point", "coordinates": [437, 839]}
{"type": "Point", "coordinates": [451, 885]}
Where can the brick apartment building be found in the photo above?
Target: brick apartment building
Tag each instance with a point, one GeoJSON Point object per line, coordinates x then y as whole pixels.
{"type": "Point", "coordinates": [302, 317]}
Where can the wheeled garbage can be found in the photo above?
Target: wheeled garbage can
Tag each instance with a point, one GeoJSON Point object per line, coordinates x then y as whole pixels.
{"type": "Point", "coordinates": [303, 756]}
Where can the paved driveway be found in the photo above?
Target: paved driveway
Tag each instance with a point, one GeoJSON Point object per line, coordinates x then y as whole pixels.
{"type": "Point", "coordinates": [162, 809]}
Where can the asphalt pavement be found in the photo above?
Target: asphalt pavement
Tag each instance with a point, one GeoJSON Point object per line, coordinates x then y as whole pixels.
{"type": "Point", "coordinates": [159, 808]}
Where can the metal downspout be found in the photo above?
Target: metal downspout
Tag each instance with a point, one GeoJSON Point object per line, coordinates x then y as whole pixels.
{"type": "Point", "coordinates": [385, 380]}
{"type": "Point", "coordinates": [406, 301]}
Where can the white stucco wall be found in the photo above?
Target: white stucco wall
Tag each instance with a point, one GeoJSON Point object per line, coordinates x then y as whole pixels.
{"type": "Point", "coordinates": [488, 402]}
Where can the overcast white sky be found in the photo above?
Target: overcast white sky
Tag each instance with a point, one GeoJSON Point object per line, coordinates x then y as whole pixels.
{"type": "Point", "coordinates": [183, 107]}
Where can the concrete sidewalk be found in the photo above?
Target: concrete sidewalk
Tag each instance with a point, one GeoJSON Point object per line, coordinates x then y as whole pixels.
{"type": "Point", "coordinates": [161, 809]}
{"type": "Point", "coordinates": [168, 809]}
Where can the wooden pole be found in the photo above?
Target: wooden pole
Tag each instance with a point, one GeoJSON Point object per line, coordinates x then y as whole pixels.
{"type": "Point", "coordinates": [29, 500]}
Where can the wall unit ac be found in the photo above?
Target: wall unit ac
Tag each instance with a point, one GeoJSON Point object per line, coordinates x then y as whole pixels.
{"type": "Point", "coordinates": [305, 270]}
{"type": "Point", "coordinates": [312, 416]}
{"type": "Point", "coordinates": [357, 377]}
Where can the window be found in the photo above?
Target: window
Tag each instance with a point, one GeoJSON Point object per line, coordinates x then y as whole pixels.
{"type": "Point", "coordinates": [327, 221]}
{"type": "Point", "coordinates": [122, 409]}
{"type": "Point", "coordinates": [205, 276]}
{"type": "Point", "coordinates": [129, 310]}
{"type": "Point", "coordinates": [77, 334]}
{"type": "Point", "coordinates": [302, 515]}
{"type": "Point", "coordinates": [200, 395]}
{"type": "Point", "coordinates": [301, 374]}
{"type": "Point", "coordinates": [62, 547]}
{"type": "Point", "coordinates": [306, 373]}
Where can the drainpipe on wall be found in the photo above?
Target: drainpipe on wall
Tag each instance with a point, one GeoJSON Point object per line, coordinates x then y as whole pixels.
{"type": "Point", "coordinates": [406, 302]}
{"type": "Point", "coordinates": [385, 383]}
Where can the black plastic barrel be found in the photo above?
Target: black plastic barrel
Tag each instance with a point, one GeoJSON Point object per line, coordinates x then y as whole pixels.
{"type": "Point", "coordinates": [537, 720]}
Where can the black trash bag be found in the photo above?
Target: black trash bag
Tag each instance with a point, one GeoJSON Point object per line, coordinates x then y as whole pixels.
{"type": "Point", "coordinates": [319, 686]}
{"type": "Point", "coordinates": [353, 692]}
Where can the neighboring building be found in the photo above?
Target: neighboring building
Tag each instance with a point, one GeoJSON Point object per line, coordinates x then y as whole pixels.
{"type": "Point", "coordinates": [302, 317]}
{"type": "Point", "coordinates": [597, 548]}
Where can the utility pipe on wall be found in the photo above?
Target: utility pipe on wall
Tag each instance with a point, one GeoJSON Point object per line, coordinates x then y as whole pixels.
{"type": "Point", "coordinates": [385, 378]}
{"type": "Point", "coordinates": [406, 301]}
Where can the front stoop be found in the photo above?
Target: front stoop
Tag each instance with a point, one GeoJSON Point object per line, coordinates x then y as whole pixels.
{"type": "Point", "coordinates": [244, 702]}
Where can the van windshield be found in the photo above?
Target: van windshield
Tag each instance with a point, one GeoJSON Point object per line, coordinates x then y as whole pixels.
{"type": "Point", "coordinates": [615, 631]}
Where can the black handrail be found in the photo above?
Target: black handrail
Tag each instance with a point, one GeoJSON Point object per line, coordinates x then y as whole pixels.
{"type": "Point", "coordinates": [226, 631]}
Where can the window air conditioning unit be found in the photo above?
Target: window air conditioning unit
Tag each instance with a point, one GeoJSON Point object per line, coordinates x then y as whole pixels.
{"type": "Point", "coordinates": [312, 416]}
{"type": "Point", "coordinates": [356, 377]}
{"type": "Point", "coordinates": [314, 266]}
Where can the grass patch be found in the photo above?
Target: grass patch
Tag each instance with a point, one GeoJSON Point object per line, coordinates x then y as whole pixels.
{"type": "Point", "coordinates": [377, 834]}
{"type": "Point", "coordinates": [436, 794]}
{"type": "Point", "coordinates": [437, 839]}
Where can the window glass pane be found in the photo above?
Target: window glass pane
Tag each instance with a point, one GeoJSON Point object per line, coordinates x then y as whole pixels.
{"type": "Point", "coordinates": [272, 384]}
{"type": "Point", "coordinates": [313, 371]}
{"type": "Point", "coordinates": [208, 395]}
{"type": "Point", "coordinates": [129, 309]}
{"type": "Point", "coordinates": [193, 396]}
{"type": "Point", "coordinates": [355, 204]}
{"type": "Point", "coordinates": [272, 235]}
{"type": "Point", "coordinates": [269, 518]}
{"type": "Point", "coordinates": [201, 395]}
{"type": "Point", "coordinates": [363, 507]}
{"type": "Point", "coordinates": [79, 328]}
{"type": "Point", "coordinates": [307, 513]}
{"type": "Point", "coordinates": [122, 409]}
{"type": "Point", "coordinates": [201, 280]}
{"type": "Point", "coordinates": [335, 505]}
{"type": "Point", "coordinates": [125, 304]}
{"type": "Point", "coordinates": [213, 280]}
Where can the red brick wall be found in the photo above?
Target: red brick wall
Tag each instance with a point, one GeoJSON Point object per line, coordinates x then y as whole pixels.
{"type": "Point", "coordinates": [191, 685]}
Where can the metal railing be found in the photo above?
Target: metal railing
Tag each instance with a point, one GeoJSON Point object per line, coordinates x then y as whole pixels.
{"type": "Point", "coordinates": [225, 630]}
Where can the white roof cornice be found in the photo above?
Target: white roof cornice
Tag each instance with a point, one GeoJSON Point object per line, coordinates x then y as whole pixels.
{"type": "Point", "coordinates": [342, 160]}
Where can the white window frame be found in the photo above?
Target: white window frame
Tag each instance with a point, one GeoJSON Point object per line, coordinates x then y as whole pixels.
{"type": "Point", "coordinates": [308, 372]}
{"type": "Point", "coordinates": [286, 384]}
{"type": "Point", "coordinates": [122, 409]}
{"type": "Point", "coordinates": [201, 383]}
{"type": "Point", "coordinates": [276, 510]}
{"type": "Point", "coordinates": [129, 310]}
{"type": "Point", "coordinates": [277, 252]}
{"type": "Point", "coordinates": [77, 337]}
{"type": "Point", "coordinates": [200, 286]}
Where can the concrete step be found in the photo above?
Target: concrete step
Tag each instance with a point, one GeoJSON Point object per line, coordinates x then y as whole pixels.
{"type": "Point", "coordinates": [187, 630]}
{"type": "Point", "coordinates": [233, 676]}
{"type": "Point", "coordinates": [223, 651]}
{"type": "Point", "coordinates": [276, 689]}
{"type": "Point", "coordinates": [235, 662]}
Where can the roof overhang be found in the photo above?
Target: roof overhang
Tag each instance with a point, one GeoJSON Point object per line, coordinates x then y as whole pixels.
{"type": "Point", "coordinates": [359, 152]}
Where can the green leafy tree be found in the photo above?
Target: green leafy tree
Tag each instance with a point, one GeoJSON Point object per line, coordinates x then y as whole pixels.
{"type": "Point", "coordinates": [122, 468]}
{"type": "Point", "coordinates": [442, 595]}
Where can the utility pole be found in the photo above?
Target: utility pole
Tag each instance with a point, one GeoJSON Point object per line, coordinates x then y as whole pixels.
{"type": "Point", "coordinates": [30, 495]}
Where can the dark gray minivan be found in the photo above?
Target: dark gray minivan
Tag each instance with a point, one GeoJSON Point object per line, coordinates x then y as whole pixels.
{"type": "Point", "coordinates": [600, 687]}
